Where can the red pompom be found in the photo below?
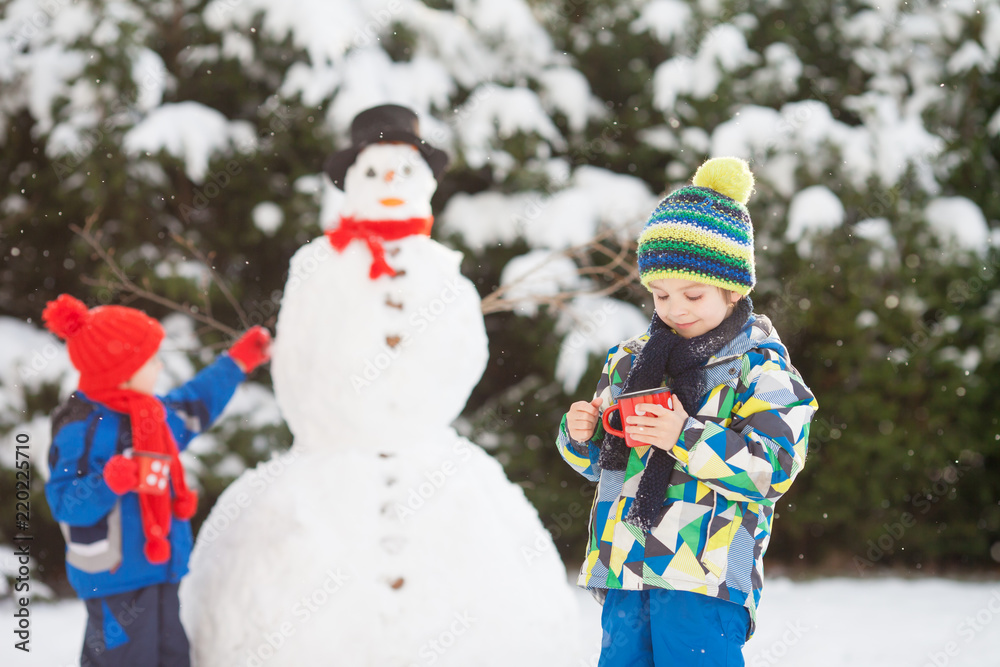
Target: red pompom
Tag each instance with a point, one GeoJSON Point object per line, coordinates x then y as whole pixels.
{"type": "Point", "coordinates": [65, 316]}
{"type": "Point", "coordinates": [185, 505]}
{"type": "Point", "coordinates": [157, 550]}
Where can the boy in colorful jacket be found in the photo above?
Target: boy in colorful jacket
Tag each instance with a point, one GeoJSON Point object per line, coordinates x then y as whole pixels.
{"type": "Point", "coordinates": [680, 523]}
{"type": "Point", "coordinates": [116, 484]}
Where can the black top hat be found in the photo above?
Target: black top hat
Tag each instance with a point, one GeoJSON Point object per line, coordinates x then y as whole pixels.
{"type": "Point", "coordinates": [386, 123]}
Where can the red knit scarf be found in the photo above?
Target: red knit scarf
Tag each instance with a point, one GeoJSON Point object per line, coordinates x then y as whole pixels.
{"type": "Point", "coordinates": [374, 232]}
{"type": "Point", "coordinates": [150, 434]}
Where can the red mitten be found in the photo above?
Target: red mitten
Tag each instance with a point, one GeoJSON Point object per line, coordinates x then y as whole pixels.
{"type": "Point", "coordinates": [252, 349]}
{"type": "Point", "coordinates": [121, 474]}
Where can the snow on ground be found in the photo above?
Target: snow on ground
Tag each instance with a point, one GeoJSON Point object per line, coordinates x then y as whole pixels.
{"type": "Point", "coordinates": [877, 622]}
{"type": "Point", "coordinates": [834, 622]}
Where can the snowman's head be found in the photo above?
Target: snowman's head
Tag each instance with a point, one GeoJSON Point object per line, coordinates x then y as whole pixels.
{"type": "Point", "coordinates": [388, 181]}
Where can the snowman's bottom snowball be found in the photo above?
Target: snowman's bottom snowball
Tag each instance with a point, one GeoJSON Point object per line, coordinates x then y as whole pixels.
{"type": "Point", "coordinates": [426, 556]}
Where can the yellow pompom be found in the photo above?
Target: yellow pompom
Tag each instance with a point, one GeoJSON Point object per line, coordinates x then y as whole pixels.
{"type": "Point", "coordinates": [729, 175]}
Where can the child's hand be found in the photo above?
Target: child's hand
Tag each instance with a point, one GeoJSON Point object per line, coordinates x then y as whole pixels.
{"type": "Point", "coordinates": [582, 419]}
{"type": "Point", "coordinates": [656, 425]}
{"type": "Point", "coordinates": [252, 349]}
{"type": "Point", "coordinates": [121, 474]}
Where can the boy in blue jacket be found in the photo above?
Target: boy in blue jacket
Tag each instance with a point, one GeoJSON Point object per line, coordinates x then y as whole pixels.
{"type": "Point", "coordinates": [117, 485]}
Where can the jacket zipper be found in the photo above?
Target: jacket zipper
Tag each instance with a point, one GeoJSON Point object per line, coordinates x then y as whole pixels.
{"type": "Point", "coordinates": [708, 532]}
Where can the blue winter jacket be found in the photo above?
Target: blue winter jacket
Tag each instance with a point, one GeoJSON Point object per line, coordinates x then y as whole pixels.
{"type": "Point", "coordinates": [103, 531]}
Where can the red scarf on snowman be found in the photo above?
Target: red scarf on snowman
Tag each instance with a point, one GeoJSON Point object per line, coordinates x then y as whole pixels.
{"type": "Point", "coordinates": [373, 233]}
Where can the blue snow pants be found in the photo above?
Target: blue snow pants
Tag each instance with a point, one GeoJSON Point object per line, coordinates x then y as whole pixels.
{"type": "Point", "coordinates": [140, 628]}
{"type": "Point", "coordinates": [666, 628]}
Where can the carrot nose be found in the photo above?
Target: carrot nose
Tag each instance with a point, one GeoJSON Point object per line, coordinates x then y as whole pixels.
{"type": "Point", "coordinates": [389, 175]}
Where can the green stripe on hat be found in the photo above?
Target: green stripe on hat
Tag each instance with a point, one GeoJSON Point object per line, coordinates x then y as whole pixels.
{"type": "Point", "coordinates": [695, 249]}
{"type": "Point", "coordinates": [720, 226]}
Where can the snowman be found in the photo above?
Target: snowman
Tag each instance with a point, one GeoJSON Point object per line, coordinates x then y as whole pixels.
{"type": "Point", "coordinates": [382, 537]}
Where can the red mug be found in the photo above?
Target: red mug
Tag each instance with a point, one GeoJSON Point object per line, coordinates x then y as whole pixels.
{"type": "Point", "coordinates": [154, 472]}
{"type": "Point", "coordinates": [626, 408]}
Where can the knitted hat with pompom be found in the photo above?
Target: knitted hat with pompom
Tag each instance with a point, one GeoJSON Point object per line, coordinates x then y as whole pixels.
{"type": "Point", "coordinates": [107, 344]}
{"type": "Point", "coordinates": [703, 231]}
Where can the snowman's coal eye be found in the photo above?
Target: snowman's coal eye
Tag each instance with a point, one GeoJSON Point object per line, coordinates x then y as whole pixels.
{"type": "Point", "coordinates": [370, 173]}
{"type": "Point", "coordinates": [407, 170]}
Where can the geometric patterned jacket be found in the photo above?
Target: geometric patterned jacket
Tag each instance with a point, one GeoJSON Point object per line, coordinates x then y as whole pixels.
{"type": "Point", "coordinates": [738, 453]}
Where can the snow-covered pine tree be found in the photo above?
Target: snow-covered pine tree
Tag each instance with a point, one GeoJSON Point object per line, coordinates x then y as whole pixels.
{"type": "Point", "coordinates": [874, 131]}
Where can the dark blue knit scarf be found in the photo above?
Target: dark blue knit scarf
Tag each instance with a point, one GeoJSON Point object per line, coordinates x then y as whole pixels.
{"type": "Point", "coordinates": [680, 360]}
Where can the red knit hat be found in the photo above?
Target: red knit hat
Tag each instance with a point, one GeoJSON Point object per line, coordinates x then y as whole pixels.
{"type": "Point", "coordinates": [107, 344]}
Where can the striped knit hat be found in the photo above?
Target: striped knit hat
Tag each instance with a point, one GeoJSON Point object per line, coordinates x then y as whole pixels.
{"type": "Point", "coordinates": [703, 232]}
